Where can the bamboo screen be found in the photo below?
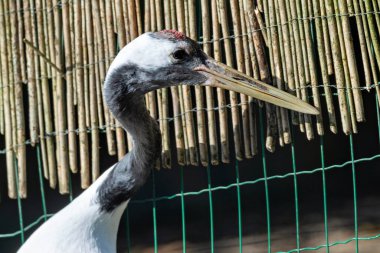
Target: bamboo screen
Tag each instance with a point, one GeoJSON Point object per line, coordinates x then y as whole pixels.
{"type": "Point", "coordinates": [55, 54]}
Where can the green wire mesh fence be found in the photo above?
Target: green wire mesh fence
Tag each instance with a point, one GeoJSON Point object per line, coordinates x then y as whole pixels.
{"type": "Point", "coordinates": [237, 186]}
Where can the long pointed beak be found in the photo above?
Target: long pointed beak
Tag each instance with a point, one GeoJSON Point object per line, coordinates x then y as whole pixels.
{"type": "Point", "coordinates": [221, 76]}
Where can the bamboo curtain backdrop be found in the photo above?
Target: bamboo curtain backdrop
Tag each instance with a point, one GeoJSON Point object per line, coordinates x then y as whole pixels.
{"type": "Point", "coordinates": [54, 56]}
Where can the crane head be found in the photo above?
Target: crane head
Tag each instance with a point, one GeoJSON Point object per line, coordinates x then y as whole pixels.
{"type": "Point", "coordinates": [156, 60]}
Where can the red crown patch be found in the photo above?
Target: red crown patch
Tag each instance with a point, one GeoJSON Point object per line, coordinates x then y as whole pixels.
{"type": "Point", "coordinates": [174, 33]}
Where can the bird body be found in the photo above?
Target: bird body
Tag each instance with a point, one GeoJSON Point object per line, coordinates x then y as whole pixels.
{"type": "Point", "coordinates": [90, 223]}
{"type": "Point", "coordinates": [79, 227]}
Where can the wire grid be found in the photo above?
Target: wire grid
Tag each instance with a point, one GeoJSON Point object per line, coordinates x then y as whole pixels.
{"type": "Point", "coordinates": [210, 189]}
{"type": "Point", "coordinates": [154, 200]}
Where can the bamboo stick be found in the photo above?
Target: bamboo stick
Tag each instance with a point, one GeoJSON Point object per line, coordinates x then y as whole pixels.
{"type": "Point", "coordinates": [351, 60]}
{"type": "Point", "coordinates": [47, 114]}
{"type": "Point", "coordinates": [81, 22]}
{"type": "Point", "coordinates": [255, 73]}
{"type": "Point", "coordinates": [72, 36]}
{"type": "Point", "coordinates": [233, 96]}
{"type": "Point", "coordinates": [9, 142]}
{"type": "Point", "coordinates": [324, 69]}
{"type": "Point", "coordinates": [376, 15]}
{"type": "Point", "coordinates": [126, 20]}
{"type": "Point", "coordinates": [325, 30]}
{"type": "Point", "coordinates": [261, 25]}
{"type": "Point", "coordinates": [95, 171]}
{"type": "Point", "coordinates": [312, 66]}
{"type": "Point", "coordinates": [102, 72]}
{"type": "Point", "coordinates": [120, 138]}
{"type": "Point", "coordinates": [300, 18]}
{"type": "Point", "coordinates": [362, 43]}
{"type": "Point", "coordinates": [351, 108]}
{"type": "Point", "coordinates": [300, 57]}
{"type": "Point", "coordinates": [12, 100]}
{"type": "Point", "coordinates": [288, 55]}
{"type": "Point", "coordinates": [84, 66]}
{"type": "Point", "coordinates": [278, 73]}
{"type": "Point", "coordinates": [22, 33]}
{"type": "Point", "coordinates": [138, 16]}
{"type": "Point", "coordinates": [338, 67]}
{"type": "Point", "coordinates": [369, 48]}
{"type": "Point", "coordinates": [187, 95]}
{"type": "Point", "coordinates": [372, 30]}
{"type": "Point", "coordinates": [32, 96]}
{"type": "Point", "coordinates": [241, 67]}
{"type": "Point", "coordinates": [269, 14]}
{"type": "Point", "coordinates": [211, 123]}
{"type": "Point", "coordinates": [164, 104]}
{"type": "Point", "coordinates": [222, 111]}
{"type": "Point", "coordinates": [199, 92]}
{"type": "Point", "coordinates": [36, 74]}
{"type": "Point", "coordinates": [63, 170]}
{"type": "Point", "coordinates": [19, 104]}
{"type": "Point", "coordinates": [248, 52]}
{"type": "Point", "coordinates": [178, 128]}
{"type": "Point", "coordinates": [263, 74]}
{"type": "Point", "coordinates": [71, 125]}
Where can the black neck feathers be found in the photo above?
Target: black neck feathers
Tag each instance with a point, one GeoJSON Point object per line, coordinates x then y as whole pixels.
{"type": "Point", "coordinates": [123, 92]}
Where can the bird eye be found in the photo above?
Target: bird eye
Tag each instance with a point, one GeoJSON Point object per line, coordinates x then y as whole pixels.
{"type": "Point", "coordinates": [180, 54]}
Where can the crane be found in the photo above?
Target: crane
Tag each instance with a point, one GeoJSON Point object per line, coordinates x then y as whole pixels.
{"type": "Point", "coordinates": [152, 61]}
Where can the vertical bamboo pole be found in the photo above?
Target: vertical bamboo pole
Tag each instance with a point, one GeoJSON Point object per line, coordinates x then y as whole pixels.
{"type": "Point", "coordinates": [19, 103]}
{"type": "Point", "coordinates": [120, 138]}
{"type": "Point", "coordinates": [263, 73]}
{"type": "Point", "coordinates": [32, 96]}
{"type": "Point", "coordinates": [362, 43]}
{"type": "Point", "coordinates": [102, 72]}
{"type": "Point", "coordinates": [255, 73]}
{"type": "Point", "coordinates": [11, 81]}
{"type": "Point", "coordinates": [300, 56]}
{"type": "Point", "coordinates": [211, 123]}
{"type": "Point", "coordinates": [79, 16]}
{"type": "Point", "coordinates": [178, 128]}
{"type": "Point", "coordinates": [38, 79]}
{"type": "Point", "coordinates": [69, 88]}
{"type": "Point", "coordinates": [324, 67]}
{"type": "Point", "coordinates": [346, 70]}
{"type": "Point", "coordinates": [63, 170]}
{"type": "Point", "coordinates": [371, 55]}
{"type": "Point", "coordinates": [312, 66]}
{"type": "Point", "coordinates": [221, 97]}
{"type": "Point", "coordinates": [325, 30]}
{"type": "Point", "coordinates": [9, 142]}
{"type": "Point", "coordinates": [372, 30]}
{"type": "Point", "coordinates": [47, 113]}
{"type": "Point", "coordinates": [93, 96]}
{"type": "Point", "coordinates": [138, 16]}
{"type": "Point", "coordinates": [351, 60]}
{"type": "Point", "coordinates": [241, 67]}
{"type": "Point", "coordinates": [233, 96]}
{"type": "Point", "coordinates": [261, 24]}
{"type": "Point", "coordinates": [84, 66]}
{"type": "Point", "coordinates": [21, 31]}
{"type": "Point", "coordinates": [278, 73]}
{"type": "Point", "coordinates": [287, 48]}
{"type": "Point", "coordinates": [248, 53]}
{"type": "Point", "coordinates": [126, 20]}
{"type": "Point", "coordinates": [199, 93]}
{"type": "Point", "coordinates": [163, 93]}
{"type": "Point", "coordinates": [187, 95]}
{"type": "Point", "coordinates": [338, 67]}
